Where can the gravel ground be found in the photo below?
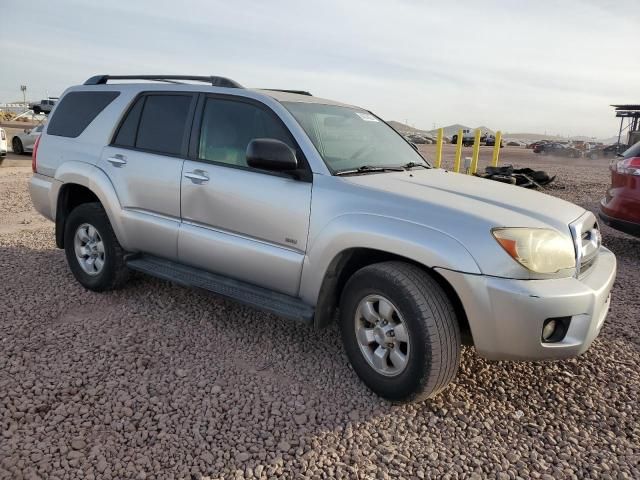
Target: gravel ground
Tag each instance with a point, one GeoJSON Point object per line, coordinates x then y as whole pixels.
{"type": "Point", "coordinates": [157, 381]}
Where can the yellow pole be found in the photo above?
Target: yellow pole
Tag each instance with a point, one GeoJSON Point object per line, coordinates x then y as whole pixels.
{"type": "Point", "coordinates": [456, 162]}
{"type": "Point", "coordinates": [476, 153]}
{"type": "Point", "coordinates": [439, 148]}
{"type": "Point", "coordinates": [496, 149]}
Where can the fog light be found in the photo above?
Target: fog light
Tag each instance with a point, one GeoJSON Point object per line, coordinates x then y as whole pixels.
{"type": "Point", "coordinates": [555, 329]}
{"type": "Point", "coordinates": [549, 329]}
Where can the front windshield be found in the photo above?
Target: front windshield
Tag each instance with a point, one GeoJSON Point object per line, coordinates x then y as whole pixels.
{"type": "Point", "coordinates": [349, 138]}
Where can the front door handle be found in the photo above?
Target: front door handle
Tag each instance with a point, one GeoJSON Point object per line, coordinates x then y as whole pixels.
{"type": "Point", "coordinates": [197, 176]}
{"type": "Point", "coordinates": [117, 160]}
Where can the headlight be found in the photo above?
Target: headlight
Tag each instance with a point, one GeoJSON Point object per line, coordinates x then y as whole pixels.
{"type": "Point", "coordinates": [537, 249]}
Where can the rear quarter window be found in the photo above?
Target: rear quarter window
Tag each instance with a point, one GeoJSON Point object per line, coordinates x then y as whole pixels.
{"type": "Point", "coordinates": [76, 111]}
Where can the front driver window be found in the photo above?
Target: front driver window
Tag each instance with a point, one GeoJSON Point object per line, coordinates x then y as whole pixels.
{"type": "Point", "coordinates": [228, 126]}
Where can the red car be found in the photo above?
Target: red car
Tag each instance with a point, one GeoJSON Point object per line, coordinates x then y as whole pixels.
{"type": "Point", "coordinates": [620, 208]}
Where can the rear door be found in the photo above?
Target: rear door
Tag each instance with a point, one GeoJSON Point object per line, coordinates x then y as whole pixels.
{"type": "Point", "coordinates": [144, 163]}
{"type": "Point", "coordinates": [238, 221]}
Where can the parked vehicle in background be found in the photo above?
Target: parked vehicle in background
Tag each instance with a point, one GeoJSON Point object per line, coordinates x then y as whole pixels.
{"type": "Point", "coordinates": [468, 138]}
{"type": "Point", "coordinates": [210, 186]}
{"type": "Point", "coordinates": [606, 151]}
{"type": "Point", "coordinates": [489, 140]}
{"type": "Point", "coordinates": [24, 142]}
{"type": "Point", "coordinates": [557, 150]}
{"type": "Point", "coordinates": [620, 208]}
{"type": "Point", "coordinates": [44, 106]}
{"type": "Point", "coordinates": [539, 142]}
{"type": "Point", "coordinates": [419, 139]}
{"type": "Point", "coordinates": [513, 143]}
{"type": "Point", "coordinates": [3, 143]}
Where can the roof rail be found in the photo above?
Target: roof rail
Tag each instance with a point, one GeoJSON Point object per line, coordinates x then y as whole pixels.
{"type": "Point", "coordinates": [297, 92]}
{"type": "Point", "coordinates": [215, 81]}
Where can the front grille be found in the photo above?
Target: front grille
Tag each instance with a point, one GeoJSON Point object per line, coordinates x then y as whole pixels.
{"type": "Point", "coordinates": [587, 241]}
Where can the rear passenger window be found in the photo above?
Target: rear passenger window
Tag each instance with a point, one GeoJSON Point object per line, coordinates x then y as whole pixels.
{"type": "Point", "coordinates": [126, 136]}
{"type": "Point", "coordinates": [163, 122]}
{"type": "Point", "coordinates": [76, 111]}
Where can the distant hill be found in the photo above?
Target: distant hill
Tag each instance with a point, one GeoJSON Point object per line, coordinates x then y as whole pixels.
{"type": "Point", "coordinates": [451, 130]}
{"type": "Point", "coordinates": [403, 128]}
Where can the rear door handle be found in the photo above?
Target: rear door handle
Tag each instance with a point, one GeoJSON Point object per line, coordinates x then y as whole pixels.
{"type": "Point", "coordinates": [117, 160]}
{"type": "Point", "coordinates": [197, 176]}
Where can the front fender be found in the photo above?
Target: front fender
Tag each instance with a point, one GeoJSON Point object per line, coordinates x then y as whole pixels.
{"type": "Point", "coordinates": [98, 182]}
{"type": "Point", "coordinates": [422, 244]}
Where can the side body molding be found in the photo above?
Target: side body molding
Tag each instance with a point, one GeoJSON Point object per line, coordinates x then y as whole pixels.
{"type": "Point", "coordinates": [98, 182]}
{"type": "Point", "coordinates": [414, 241]}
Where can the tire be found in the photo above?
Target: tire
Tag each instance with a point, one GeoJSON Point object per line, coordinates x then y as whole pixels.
{"type": "Point", "coordinates": [37, 110]}
{"type": "Point", "coordinates": [432, 351]}
{"type": "Point", "coordinates": [16, 144]}
{"type": "Point", "coordinates": [113, 272]}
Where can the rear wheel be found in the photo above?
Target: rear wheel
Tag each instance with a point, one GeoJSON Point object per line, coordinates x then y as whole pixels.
{"type": "Point", "coordinates": [400, 331]}
{"type": "Point", "coordinates": [93, 253]}
{"type": "Point", "coordinates": [16, 144]}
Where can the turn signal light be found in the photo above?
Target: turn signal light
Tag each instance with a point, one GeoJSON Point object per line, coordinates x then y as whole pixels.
{"type": "Point", "coordinates": [629, 166]}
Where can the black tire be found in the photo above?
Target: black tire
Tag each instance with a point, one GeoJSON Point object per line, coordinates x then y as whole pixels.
{"type": "Point", "coordinates": [36, 110]}
{"type": "Point", "coordinates": [114, 273]}
{"type": "Point", "coordinates": [430, 321]}
{"type": "Point", "coordinates": [16, 145]}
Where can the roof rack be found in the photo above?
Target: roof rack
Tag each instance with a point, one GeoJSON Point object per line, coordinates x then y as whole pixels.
{"type": "Point", "coordinates": [297, 92]}
{"type": "Point", "coordinates": [215, 81]}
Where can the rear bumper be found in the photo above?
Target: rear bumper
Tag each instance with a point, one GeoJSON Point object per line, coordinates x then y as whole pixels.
{"type": "Point", "coordinates": [44, 194]}
{"type": "Point", "coordinates": [506, 316]}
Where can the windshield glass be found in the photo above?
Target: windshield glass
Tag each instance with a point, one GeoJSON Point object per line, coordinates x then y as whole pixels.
{"type": "Point", "coordinates": [348, 138]}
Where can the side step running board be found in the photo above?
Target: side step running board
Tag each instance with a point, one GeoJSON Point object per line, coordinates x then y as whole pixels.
{"type": "Point", "coordinates": [258, 297]}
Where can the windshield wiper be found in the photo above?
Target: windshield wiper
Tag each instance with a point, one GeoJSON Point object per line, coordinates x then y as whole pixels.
{"type": "Point", "coordinates": [410, 165]}
{"type": "Point", "coordinates": [368, 169]}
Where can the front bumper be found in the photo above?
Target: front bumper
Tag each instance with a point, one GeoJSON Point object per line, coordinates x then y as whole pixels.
{"type": "Point", "coordinates": [506, 316]}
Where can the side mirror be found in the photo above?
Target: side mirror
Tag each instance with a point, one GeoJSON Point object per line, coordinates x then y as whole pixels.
{"type": "Point", "coordinates": [271, 154]}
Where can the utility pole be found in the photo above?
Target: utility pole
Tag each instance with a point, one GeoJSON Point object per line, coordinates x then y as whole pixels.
{"type": "Point", "coordinates": [23, 88]}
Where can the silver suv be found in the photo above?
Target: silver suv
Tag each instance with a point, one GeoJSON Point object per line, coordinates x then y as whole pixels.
{"type": "Point", "coordinates": [317, 211]}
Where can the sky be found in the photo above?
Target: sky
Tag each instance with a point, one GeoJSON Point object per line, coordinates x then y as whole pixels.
{"type": "Point", "coordinates": [541, 66]}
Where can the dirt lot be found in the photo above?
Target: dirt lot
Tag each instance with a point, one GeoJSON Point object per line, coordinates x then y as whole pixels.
{"type": "Point", "coordinates": [157, 381]}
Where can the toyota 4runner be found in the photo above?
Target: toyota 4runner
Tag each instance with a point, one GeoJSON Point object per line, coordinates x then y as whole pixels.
{"type": "Point", "coordinates": [316, 210]}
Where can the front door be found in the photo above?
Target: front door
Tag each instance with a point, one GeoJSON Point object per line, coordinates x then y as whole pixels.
{"type": "Point", "coordinates": [144, 163]}
{"type": "Point", "coordinates": [241, 222]}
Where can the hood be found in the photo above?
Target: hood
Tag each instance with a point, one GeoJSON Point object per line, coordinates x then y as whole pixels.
{"type": "Point", "coordinates": [500, 204]}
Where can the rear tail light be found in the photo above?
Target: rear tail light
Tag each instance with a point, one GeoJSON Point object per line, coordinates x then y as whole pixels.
{"type": "Point", "coordinates": [629, 166]}
{"type": "Point", "coordinates": [34, 155]}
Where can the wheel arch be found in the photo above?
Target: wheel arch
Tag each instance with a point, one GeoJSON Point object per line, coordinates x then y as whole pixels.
{"type": "Point", "coordinates": [350, 260]}
{"type": "Point", "coordinates": [83, 183]}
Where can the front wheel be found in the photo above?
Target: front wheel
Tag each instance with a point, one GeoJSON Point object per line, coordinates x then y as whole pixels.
{"type": "Point", "coordinates": [400, 331]}
{"type": "Point", "coordinates": [93, 253]}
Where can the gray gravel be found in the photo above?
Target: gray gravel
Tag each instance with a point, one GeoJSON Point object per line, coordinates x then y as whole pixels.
{"type": "Point", "coordinates": [157, 381]}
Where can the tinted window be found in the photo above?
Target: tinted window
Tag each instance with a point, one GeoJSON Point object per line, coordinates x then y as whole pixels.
{"type": "Point", "coordinates": [163, 122]}
{"type": "Point", "coordinates": [76, 111]}
{"type": "Point", "coordinates": [126, 135]}
{"type": "Point", "coordinates": [229, 126]}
